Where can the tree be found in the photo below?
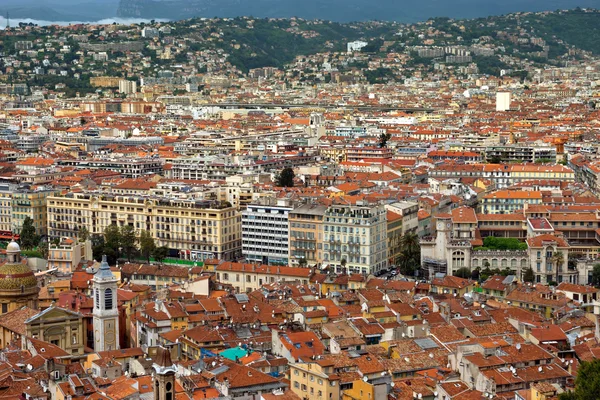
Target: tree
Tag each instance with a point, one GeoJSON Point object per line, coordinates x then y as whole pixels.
{"type": "Point", "coordinates": [383, 139]}
{"type": "Point", "coordinates": [475, 273]}
{"type": "Point", "coordinates": [596, 275]}
{"type": "Point", "coordinates": [160, 253]}
{"type": "Point", "coordinates": [285, 178]}
{"type": "Point", "coordinates": [302, 262]}
{"type": "Point", "coordinates": [463, 272]}
{"type": "Point", "coordinates": [43, 249]}
{"type": "Point", "coordinates": [410, 254]}
{"type": "Point", "coordinates": [128, 240]}
{"type": "Point", "coordinates": [587, 383]}
{"type": "Point", "coordinates": [112, 242]}
{"type": "Point", "coordinates": [343, 263]}
{"type": "Point", "coordinates": [147, 245]}
{"type": "Point", "coordinates": [29, 237]}
{"type": "Point", "coordinates": [528, 275]}
{"type": "Point", "coordinates": [97, 246]}
{"type": "Point", "coordinates": [83, 234]}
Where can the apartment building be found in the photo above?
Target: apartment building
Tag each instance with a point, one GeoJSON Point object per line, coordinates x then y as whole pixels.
{"type": "Point", "coordinates": [504, 175]}
{"type": "Point", "coordinates": [367, 152]}
{"type": "Point", "coordinates": [356, 234]}
{"type": "Point", "coordinates": [249, 277]}
{"type": "Point", "coordinates": [192, 229]}
{"type": "Point", "coordinates": [30, 203]}
{"type": "Point", "coordinates": [306, 234]}
{"type": "Point", "coordinates": [66, 255]}
{"type": "Point", "coordinates": [265, 231]}
{"type": "Point", "coordinates": [315, 380]}
{"type": "Point", "coordinates": [509, 201]}
{"type": "Point", "coordinates": [6, 191]}
{"type": "Point", "coordinates": [521, 153]}
{"type": "Point", "coordinates": [127, 167]}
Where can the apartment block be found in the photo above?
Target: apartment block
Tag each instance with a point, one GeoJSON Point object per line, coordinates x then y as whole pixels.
{"type": "Point", "coordinates": [192, 229]}
{"type": "Point", "coordinates": [306, 234]}
{"type": "Point", "coordinates": [356, 234]}
{"type": "Point", "coordinates": [265, 231]}
{"type": "Point", "coordinates": [30, 203]}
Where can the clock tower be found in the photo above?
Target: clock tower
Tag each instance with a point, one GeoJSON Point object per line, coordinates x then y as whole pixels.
{"type": "Point", "coordinates": [106, 314]}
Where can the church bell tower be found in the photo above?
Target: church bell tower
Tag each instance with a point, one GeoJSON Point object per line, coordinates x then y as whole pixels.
{"type": "Point", "coordinates": [106, 314]}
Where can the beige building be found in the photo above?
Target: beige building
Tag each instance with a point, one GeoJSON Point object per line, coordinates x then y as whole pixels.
{"type": "Point", "coordinates": [32, 204]}
{"type": "Point", "coordinates": [315, 380]}
{"type": "Point", "coordinates": [68, 253]}
{"type": "Point", "coordinates": [191, 229]}
{"type": "Point", "coordinates": [249, 277]}
{"type": "Point", "coordinates": [61, 327]}
{"type": "Point", "coordinates": [306, 234]}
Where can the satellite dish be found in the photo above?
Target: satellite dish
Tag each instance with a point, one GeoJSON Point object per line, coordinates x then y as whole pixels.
{"type": "Point", "coordinates": [29, 367]}
{"type": "Point", "coordinates": [240, 344]}
{"type": "Point", "coordinates": [455, 294]}
{"type": "Point", "coordinates": [214, 363]}
{"type": "Point", "coordinates": [483, 306]}
{"type": "Point", "coordinates": [406, 359]}
{"type": "Point", "coordinates": [540, 369]}
{"type": "Point", "coordinates": [403, 334]}
{"type": "Point", "coordinates": [420, 396]}
{"type": "Point", "coordinates": [430, 355]}
{"type": "Point", "coordinates": [365, 379]}
{"type": "Point", "coordinates": [392, 384]}
{"type": "Point", "coordinates": [518, 346]}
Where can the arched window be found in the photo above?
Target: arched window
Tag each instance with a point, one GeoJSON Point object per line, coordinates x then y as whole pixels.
{"type": "Point", "coordinates": [458, 259]}
{"type": "Point", "coordinates": [97, 298]}
{"type": "Point", "coordinates": [108, 299]}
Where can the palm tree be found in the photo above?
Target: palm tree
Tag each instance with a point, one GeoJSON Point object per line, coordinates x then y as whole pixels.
{"type": "Point", "coordinates": [410, 254]}
{"type": "Point", "coordinates": [343, 264]}
{"type": "Point", "coordinates": [558, 259]}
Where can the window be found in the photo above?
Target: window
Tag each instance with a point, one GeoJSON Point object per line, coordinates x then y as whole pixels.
{"type": "Point", "coordinates": [296, 384]}
{"type": "Point", "coordinates": [97, 298]}
{"type": "Point", "coordinates": [108, 299]}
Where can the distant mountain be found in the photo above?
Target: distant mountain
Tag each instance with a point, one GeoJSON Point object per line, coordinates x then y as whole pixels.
{"type": "Point", "coordinates": [59, 10]}
{"type": "Point", "coordinates": [339, 10]}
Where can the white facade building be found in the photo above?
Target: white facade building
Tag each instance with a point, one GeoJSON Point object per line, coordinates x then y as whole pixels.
{"type": "Point", "coordinates": [265, 231]}
{"type": "Point", "coordinates": [356, 45]}
{"type": "Point", "coordinates": [502, 101]}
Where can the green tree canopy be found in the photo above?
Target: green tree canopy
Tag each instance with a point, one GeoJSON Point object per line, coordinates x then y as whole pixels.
{"type": "Point", "coordinates": [160, 253]}
{"type": "Point", "coordinates": [463, 272]}
{"type": "Point", "coordinates": [384, 138]}
{"type": "Point", "coordinates": [28, 237]}
{"type": "Point", "coordinates": [596, 275]}
{"type": "Point", "coordinates": [285, 178]}
{"type": "Point", "coordinates": [112, 242]}
{"type": "Point", "coordinates": [128, 240]}
{"type": "Point", "coordinates": [587, 383]}
{"type": "Point", "coordinates": [147, 245]}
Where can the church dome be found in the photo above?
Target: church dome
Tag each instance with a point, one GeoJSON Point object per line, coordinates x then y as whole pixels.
{"type": "Point", "coordinates": [16, 276]}
{"type": "Point", "coordinates": [13, 247]}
